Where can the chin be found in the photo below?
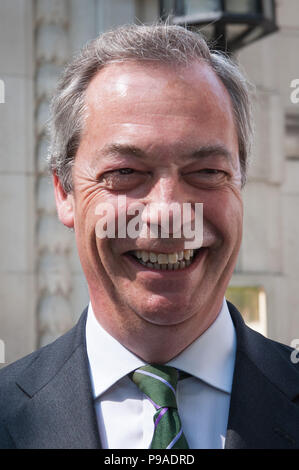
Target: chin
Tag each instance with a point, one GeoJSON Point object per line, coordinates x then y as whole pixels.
{"type": "Point", "coordinates": [162, 310]}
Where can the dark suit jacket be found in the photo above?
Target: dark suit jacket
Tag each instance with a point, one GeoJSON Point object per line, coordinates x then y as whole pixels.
{"type": "Point", "coordinates": [46, 399]}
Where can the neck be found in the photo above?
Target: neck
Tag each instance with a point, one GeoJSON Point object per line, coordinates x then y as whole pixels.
{"type": "Point", "coordinates": [151, 342]}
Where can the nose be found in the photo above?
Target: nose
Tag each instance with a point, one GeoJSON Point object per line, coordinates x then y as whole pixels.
{"type": "Point", "coordinates": [163, 211]}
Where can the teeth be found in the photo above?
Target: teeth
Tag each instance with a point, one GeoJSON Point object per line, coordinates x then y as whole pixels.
{"type": "Point", "coordinates": [165, 261]}
{"type": "Point", "coordinates": [153, 257]}
{"type": "Point", "coordinates": [173, 258]}
{"type": "Point", "coordinates": [163, 258]}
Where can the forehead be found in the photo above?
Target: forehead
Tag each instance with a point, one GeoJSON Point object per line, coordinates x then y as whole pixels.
{"type": "Point", "coordinates": [156, 105]}
{"type": "Point", "coordinates": [143, 81]}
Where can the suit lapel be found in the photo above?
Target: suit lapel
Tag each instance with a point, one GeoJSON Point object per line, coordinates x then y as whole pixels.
{"type": "Point", "coordinates": [58, 411]}
{"type": "Point", "coordinates": [263, 413]}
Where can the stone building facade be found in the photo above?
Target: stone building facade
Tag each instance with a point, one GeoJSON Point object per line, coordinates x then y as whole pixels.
{"type": "Point", "coordinates": [42, 288]}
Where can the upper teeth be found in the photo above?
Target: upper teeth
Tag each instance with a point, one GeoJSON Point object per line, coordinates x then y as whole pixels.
{"type": "Point", "coordinates": [163, 258]}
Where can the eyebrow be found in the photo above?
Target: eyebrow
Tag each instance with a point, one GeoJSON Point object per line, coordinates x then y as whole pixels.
{"type": "Point", "coordinates": [113, 150]}
{"type": "Point", "coordinates": [205, 151]}
{"type": "Point", "coordinates": [212, 150]}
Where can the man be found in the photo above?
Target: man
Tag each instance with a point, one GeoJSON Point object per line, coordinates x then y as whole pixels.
{"type": "Point", "coordinates": [148, 116]}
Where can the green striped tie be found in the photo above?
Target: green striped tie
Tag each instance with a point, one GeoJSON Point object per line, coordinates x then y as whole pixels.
{"type": "Point", "coordinates": [159, 383]}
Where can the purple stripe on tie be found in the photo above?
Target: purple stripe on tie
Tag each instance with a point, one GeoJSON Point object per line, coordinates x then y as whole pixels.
{"type": "Point", "coordinates": [170, 446]}
{"type": "Point", "coordinates": [152, 402]}
{"type": "Point", "coordinates": [162, 413]}
{"type": "Point", "coordinates": [144, 372]}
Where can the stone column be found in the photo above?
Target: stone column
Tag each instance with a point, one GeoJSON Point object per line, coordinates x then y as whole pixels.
{"type": "Point", "coordinates": [54, 241]}
{"type": "Point", "coordinates": [17, 180]}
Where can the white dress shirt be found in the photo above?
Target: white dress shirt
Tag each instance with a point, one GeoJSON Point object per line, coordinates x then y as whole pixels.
{"type": "Point", "coordinates": [125, 415]}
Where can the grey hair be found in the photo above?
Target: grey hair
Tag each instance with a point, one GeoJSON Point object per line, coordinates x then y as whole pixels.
{"type": "Point", "coordinates": [160, 42]}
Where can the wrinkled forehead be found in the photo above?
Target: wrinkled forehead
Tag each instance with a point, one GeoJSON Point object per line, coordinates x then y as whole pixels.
{"type": "Point", "coordinates": [144, 81]}
{"type": "Point", "coordinates": [151, 105]}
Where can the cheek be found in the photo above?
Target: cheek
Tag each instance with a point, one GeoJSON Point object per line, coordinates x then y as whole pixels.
{"type": "Point", "coordinates": [110, 223]}
{"type": "Point", "coordinates": [224, 211]}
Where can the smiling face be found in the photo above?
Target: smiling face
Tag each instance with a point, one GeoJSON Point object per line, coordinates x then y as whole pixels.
{"type": "Point", "coordinates": [156, 134]}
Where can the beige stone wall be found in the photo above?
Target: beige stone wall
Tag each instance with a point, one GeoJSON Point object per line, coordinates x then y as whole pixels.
{"type": "Point", "coordinates": [17, 180]}
{"type": "Point", "coordinates": [53, 241]}
{"type": "Point", "coordinates": [270, 250]}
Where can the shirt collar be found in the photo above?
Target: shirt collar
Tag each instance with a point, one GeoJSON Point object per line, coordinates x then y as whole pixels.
{"type": "Point", "coordinates": [209, 358]}
{"type": "Point", "coordinates": [109, 360]}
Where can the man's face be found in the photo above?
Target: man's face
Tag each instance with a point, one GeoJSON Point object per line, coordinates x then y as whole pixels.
{"type": "Point", "coordinates": [157, 134]}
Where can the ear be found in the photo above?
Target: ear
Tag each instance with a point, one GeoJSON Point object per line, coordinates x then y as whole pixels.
{"type": "Point", "coordinates": [64, 203]}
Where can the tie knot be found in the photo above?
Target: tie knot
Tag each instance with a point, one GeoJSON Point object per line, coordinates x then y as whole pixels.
{"type": "Point", "coordinates": [158, 383]}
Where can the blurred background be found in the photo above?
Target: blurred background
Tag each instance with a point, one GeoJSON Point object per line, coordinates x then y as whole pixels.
{"type": "Point", "coordinates": [42, 288]}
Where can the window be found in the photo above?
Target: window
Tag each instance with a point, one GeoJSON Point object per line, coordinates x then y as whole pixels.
{"type": "Point", "coordinates": [251, 302]}
{"type": "Point", "coordinates": [292, 137]}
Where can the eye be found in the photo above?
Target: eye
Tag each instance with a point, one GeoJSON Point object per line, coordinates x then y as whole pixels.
{"type": "Point", "coordinates": [126, 171]}
{"type": "Point", "coordinates": [211, 171]}
{"type": "Point", "coordinates": [207, 177]}
{"type": "Point", "coordinates": [122, 179]}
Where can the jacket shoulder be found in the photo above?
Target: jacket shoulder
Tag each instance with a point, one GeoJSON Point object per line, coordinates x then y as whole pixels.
{"type": "Point", "coordinates": [11, 396]}
{"type": "Point", "coordinates": [36, 368]}
{"type": "Point", "coordinates": [275, 360]}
